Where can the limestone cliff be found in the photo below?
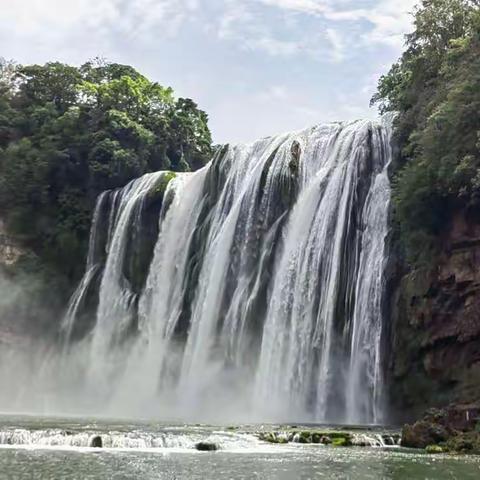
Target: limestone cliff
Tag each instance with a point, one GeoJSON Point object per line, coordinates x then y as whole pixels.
{"type": "Point", "coordinates": [10, 254]}
{"type": "Point", "coordinates": [32, 298]}
{"type": "Point", "coordinates": [435, 326]}
{"type": "Point", "coordinates": [10, 249]}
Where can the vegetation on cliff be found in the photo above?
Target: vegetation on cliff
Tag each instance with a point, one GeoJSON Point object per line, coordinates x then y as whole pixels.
{"type": "Point", "coordinates": [435, 90]}
{"type": "Point", "coordinates": [453, 429]}
{"type": "Point", "coordinates": [68, 133]}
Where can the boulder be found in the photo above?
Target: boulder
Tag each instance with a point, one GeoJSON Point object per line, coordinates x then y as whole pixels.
{"type": "Point", "coordinates": [423, 433]}
{"type": "Point", "coordinates": [454, 429]}
{"type": "Point", "coordinates": [96, 441]}
{"type": "Point", "coordinates": [434, 449]}
{"type": "Point", "coordinates": [296, 152]}
{"type": "Point", "coordinates": [206, 446]}
{"type": "Point", "coordinates": [464, 442]}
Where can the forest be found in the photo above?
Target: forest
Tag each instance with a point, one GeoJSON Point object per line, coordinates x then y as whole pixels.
{"type": "Point", "coordinates": [434, 90]}
{"type": "Point", "coordinates": [67, 134]}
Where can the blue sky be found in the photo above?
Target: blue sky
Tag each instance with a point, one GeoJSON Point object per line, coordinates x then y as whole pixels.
{"type": "Point", "coordinates": [258, 67]}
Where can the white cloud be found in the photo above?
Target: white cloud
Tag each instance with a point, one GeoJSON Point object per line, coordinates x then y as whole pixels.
{"type": "Point", "coordinates": [36, 16]}
{"type": "Point", "coordinates": [239, 21]}
{"type": "Point", "coordinates": [306, 6]}
{"type": "Point", "coordinates": [331, 30]}
{"type": "Point", "coordinates": [257, 66]}
{"type": "Point", "coordinates": [235, 13]}
{"type": "Point", "coordinates": [273, 93]}
{"type": "Point", "coordinates": [389, 19]}
{"type": "Point", "coordinates": [273, 46]}
{"type": "Point", "coordinates": [337, 43]}
{"type": "Point", "coordinates": [251, 29]}
{"type": "Point", "coordinates": [136, 18]}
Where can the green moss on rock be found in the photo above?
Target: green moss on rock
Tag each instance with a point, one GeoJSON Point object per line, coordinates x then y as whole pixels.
{"type": "Point", "coordinates": [466, 442]}
{"type": "Point", "coordinates": [160, 186]}
{"type": "Point", "coordinates": [274, 437]}
{"type": "Point", "coordinates": [423, 433]}
{"type": "Point", "coordinates": [308, 437]}
{"type": "Point", "coordinates": [434, 449]}
{"type": "Point", "coordinates": [341, 442]}
{"type": "Point", "coordinates": [452, 430]}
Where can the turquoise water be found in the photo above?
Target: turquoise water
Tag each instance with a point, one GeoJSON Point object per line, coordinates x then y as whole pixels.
{"type": "Point", "coordinates": [58, 449]}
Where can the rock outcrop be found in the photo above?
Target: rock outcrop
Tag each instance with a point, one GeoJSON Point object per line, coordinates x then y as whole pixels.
{"type": "Point", "coordinates": [10, 254]}
{"type": "Point", "coordinates": [96, 442]}
{"type": "Point", "coordinates": [206, 447]}
{"type": "Point", "coordinates": [31, 297]}
{"type": "Point", "coordinates": [330, 437]}
{"type": "Point", "coordinates": [10, 250]}
{"type": "Point", "coordinates": [435, 326]}
{"type": "Point", "coordinates": [454, 429]}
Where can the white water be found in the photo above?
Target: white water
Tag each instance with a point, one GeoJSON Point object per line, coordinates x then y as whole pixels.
{"type": "Point", "coordinates": [264, 296]}
{"type": "Point", "coordinates": [178, 438]}
{"type": "Point", "coordinates": [298, 356]}
{"type": "Point", "coordinates": [78, 297]}
{"type": "Point", "coordinates": [136, 439]}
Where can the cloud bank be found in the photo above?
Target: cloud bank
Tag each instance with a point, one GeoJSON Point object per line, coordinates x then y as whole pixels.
{"type": "Point", "coordinates": [233, 56]}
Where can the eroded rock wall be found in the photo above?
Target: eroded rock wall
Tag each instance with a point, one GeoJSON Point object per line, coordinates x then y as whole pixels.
{"type": "Point", "coordinates": [32, 298]}
{"type": "Point", "coordinates": [10, 250]}
{"type": "Point", "coordinates": [435, 330]}
{"type": "Point", "coordinates": [10, 254]}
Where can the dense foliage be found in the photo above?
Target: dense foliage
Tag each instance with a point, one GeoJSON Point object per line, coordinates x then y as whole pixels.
{"type": "Point", "coordinates": [68, 133]}
{"type": "Point", "coordinates": [435, 89]}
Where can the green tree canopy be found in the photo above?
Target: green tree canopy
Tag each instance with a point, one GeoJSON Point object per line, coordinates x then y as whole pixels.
{"type": "Point", "coordinates": [68, 133]}
{"type": "Point", "coordinates": [435, 90]}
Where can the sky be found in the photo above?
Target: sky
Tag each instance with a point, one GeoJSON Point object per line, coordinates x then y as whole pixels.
{"type": "Point", "coordinates": [258, 67]}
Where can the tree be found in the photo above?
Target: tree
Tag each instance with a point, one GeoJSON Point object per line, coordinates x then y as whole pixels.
{"type": "Point", "coordinates": [68, 133]}
{"type": "Point", "coordinates": [435, 90]}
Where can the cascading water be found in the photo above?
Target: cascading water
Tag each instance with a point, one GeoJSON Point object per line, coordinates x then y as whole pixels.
{"type": "Point", "coordinates": [263, 297]}
{"type": "Point", "coordinates": [322, 335]}
{"type": "Point", "coordinates": [117, 300]}
{"type": "Point", "coordinates": [78, 298]}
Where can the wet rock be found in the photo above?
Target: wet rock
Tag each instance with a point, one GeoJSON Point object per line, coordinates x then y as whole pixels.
{"type": "Point", "coordinates": [464, 418]}
{"type": "Point", "coordinates": [274, 437]}
{"type": "Point", "coordinates": [305, 437]}
{"type": "Point", "coordinates": [464, 442]}
{"type": "Point", "coordinates": [435, 331]}
{"type": "Point", "coordinates": [434, 449]}
{"type": "Point", "coordinates": [342, 441]}
{"type": "Point", "coordinates": [296, 152]}
{"type": "Point", "coordinates": [308, 437]}
{"type": "Point", "coordinates": [96, 441]}
{"type": "Point", "coordinates": [391, 440]}
{"type": "Point", "coordinates": [10, 249]}
{"type": "Point", "coordinates": [207, 447]}
{"type": "Point", "coordinates": [325, 440]}
{"type": "Point", "coordinates": [454, 429]}
{"type": "Point", "coordinates": [422, 434]}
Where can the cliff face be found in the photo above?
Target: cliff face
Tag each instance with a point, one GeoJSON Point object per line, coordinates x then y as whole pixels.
{"type": "Point", "coordinates": [10, 250]}
{"type": "Point", "coordinates": [10, 294]}
{"type": "Point", "coordinates": [435, 341]}
{"type": "Point", "coordinates": [32, 298]}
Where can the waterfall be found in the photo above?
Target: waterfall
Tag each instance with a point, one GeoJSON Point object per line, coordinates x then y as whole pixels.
{"type": "Point", "coordinates": [259, 293]}
{"type": "Point", "coordinates": [322, 335]}
{"type": "Point", "coordinates": [78, 298]}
